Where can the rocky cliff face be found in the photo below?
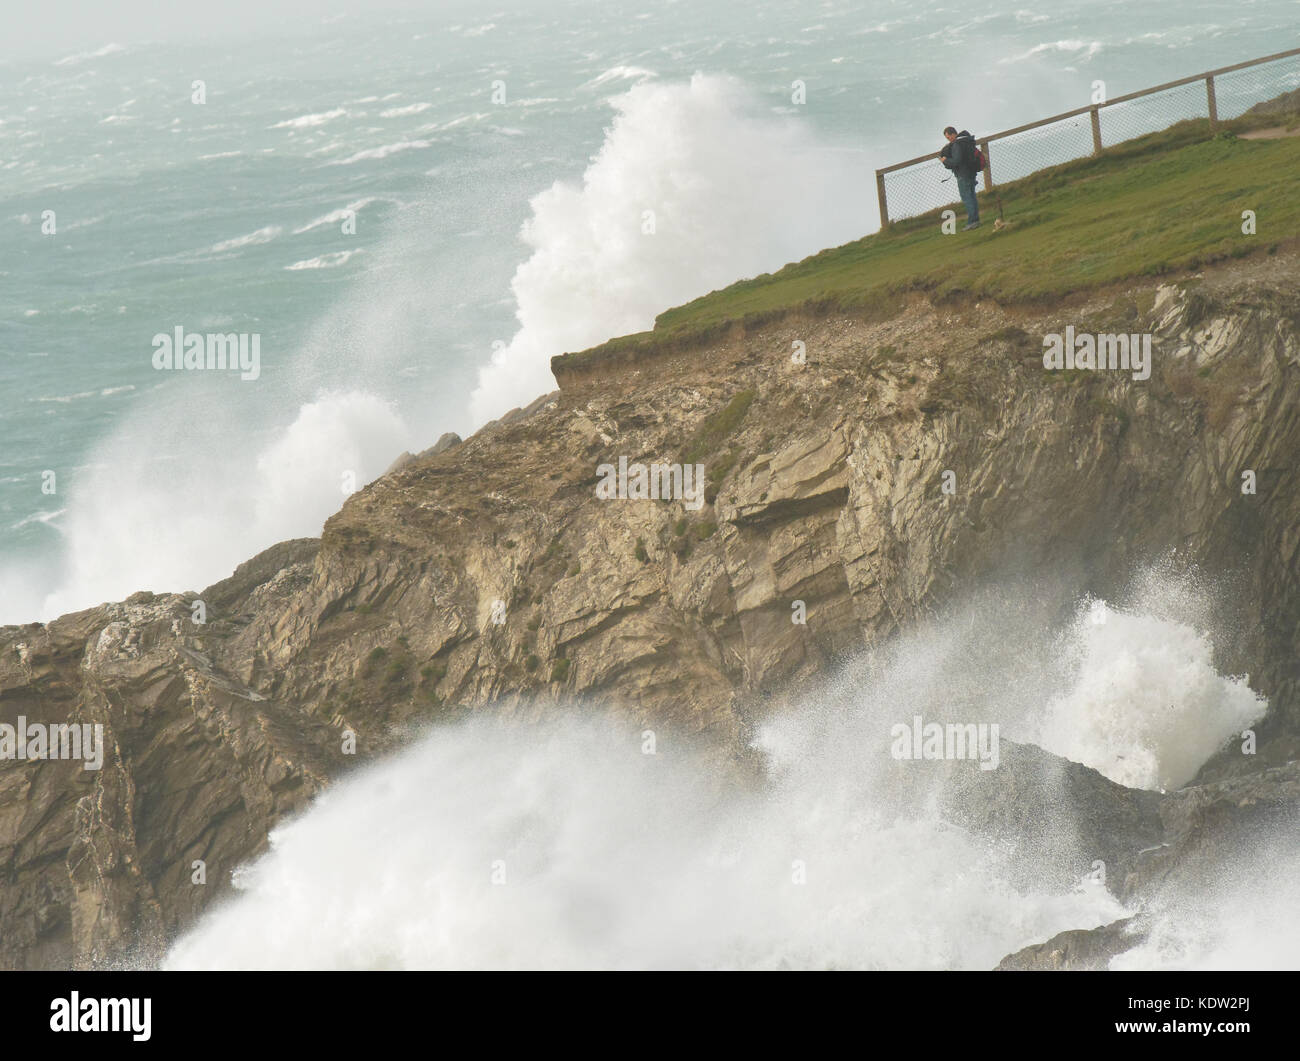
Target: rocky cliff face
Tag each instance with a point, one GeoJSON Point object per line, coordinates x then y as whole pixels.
{"type": "Point", "coordinates": [488, 575]}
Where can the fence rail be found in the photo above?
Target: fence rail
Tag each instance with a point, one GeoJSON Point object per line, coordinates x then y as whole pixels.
{"type": "Point", "coordinates": [1218, 95]}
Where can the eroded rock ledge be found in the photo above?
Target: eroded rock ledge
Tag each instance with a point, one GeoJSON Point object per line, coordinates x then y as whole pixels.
{"type": "Point", "coordinates": [825, 487]}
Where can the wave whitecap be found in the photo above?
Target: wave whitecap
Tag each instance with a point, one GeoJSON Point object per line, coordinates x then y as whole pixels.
{"type": "Point", "coordinates": [335, 216]}
{"type": "Point", "coordinates": [325, 261]}
{"type": "Point", "coordinates": [309, 121]}
{"type": "Point", "coordinates": [262, 235]}
{"type": "Point", "coordinates": [374, 153]}
{"type": "Point", "coordinates": [77, 58]}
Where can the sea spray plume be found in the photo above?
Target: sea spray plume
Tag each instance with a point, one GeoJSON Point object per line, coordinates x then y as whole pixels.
{"type": "Point", "coordinates": [734, 192]}
{"type": "Point", "coordinates": [190, 483]}
{"type": "Point", "coordinates": [333, 446]}
{"type": "Point", "coordinates": [1147, 711]}
{"type": "Point", "coordinates": [562, 845]}
{"type": "Point", "coordinates": [695, 187]}
{"type": "Point", "coordinates": [840, 857]}
{"type": "Point", "coordinates": [1142, 701]}
{"type": "Point", "coordinates": [226, 493]}
{"type": "Point", "coordinates": [1233, 911]}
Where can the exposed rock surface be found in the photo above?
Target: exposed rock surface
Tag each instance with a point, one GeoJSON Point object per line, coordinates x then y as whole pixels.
{"type": "Point", "coordinates": [1081, 949]}
{"type": "Point", "coordinates": [1202, 828]}
{"type": "Point", "coordinates": [1287, 103]}
{"type": "Point", "coordinates": [1065, 815]}
{"type": "Point", "coordinates": [487, 572]}
{"type": "Point", "coordinates": [444, 443]}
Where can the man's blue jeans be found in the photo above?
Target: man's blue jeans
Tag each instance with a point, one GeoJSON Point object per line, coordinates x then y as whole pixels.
{"type": "Point", "coordinates": [966, 187]}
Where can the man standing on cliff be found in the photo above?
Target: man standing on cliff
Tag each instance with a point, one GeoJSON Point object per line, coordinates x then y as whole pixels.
{"type": "Point", "coordinates": [959, 155]}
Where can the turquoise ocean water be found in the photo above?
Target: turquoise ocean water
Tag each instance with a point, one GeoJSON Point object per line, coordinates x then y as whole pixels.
{"type": "Point", "coordinates": [498, 163]}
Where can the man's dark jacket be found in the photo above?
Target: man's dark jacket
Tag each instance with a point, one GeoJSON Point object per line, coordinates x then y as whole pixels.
{"type": "Point", "coordinates": [959, 155]}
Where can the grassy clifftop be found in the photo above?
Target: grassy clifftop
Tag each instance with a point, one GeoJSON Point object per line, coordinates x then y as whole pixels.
{"type": "Point", "coordinates": [1162, 203]}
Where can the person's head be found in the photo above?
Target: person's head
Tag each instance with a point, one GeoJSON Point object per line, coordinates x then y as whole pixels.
{"type": "Point", "coordinates": [950, 134]}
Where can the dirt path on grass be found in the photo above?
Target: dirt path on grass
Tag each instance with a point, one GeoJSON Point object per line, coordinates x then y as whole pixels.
{"type": "Point", "coordinates": [1275, 133]}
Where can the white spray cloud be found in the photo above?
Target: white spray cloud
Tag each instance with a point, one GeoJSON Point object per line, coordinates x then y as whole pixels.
{"type": "Point", "coordinates": [1241, 917]}
{"type": "Point", "coordinates": [183, 492]}
{"type": "Point", "coordinates": [1147, 707]}
{"type": "Point", "coordinates": [222, 495]}
{"type": "Point", "coordinates": [734, 192]}
{"type": "Point", "coordinates": [610, 858]}
{"type": "Point", "coordinates": [335, 442]}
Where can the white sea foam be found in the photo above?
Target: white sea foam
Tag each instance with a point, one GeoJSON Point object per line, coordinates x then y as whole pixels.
{"type": "Point", "coordinates": [262, 235]}
{"type": "Point", "coordinates": [382, 152]}
{"type": "Point", "coordinates": [38, 517]}
{"type": "Point", "coordinates": [325, 261]}
{"type": "Point", "coordinates": [64, 399]}
{"type": "Point", "coordinates": [1147, 707]}
{"type": "Point", "coordinates": [308, 121]}
{"type": "Point", "coordinates": [77, 58]}
{"type": "Point", "coordinates": [610, 858]}
{"type": "Point", "coordinates": [1240, 917]}
{"type": "Point", "coordinates": [335, 216]}
{"type": "Point", "coordinates": [401, 112]}
{"type": "Point", "coordinates": [1080, 49]}
{"type": "Point", "coordinates": [453, 123]}
{"type": "Point", "coordinates": [130, 527]}
{"type": "Point", "coordinates": [620, 73]}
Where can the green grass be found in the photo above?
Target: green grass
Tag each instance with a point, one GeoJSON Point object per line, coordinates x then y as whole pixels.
{"type": "Point", "coordinates": [1158, 204]}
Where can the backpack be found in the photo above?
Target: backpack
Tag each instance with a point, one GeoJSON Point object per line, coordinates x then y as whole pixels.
{"type": "Point", "coordinates": [979, 160]}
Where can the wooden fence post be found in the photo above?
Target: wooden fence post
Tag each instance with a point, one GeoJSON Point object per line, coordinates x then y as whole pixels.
{"type": "Point", "coordinates": [884, 204]}
{"type": "Point", "coordinates": [988, 165]}
{"type": "Point", "coordinates": [1096, 130]}
{"type": "Point", "coordinates": [1214, 105]}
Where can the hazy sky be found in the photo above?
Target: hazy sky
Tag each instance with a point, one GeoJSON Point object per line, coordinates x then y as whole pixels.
{"type": "Point", "coordinates": [35, 29]}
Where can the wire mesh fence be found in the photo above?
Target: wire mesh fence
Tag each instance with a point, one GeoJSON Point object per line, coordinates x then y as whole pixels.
{"type": "Point", "coordinates": [1240, 90]}
{"type": "Point", "coordinates": [920, 189]}
{"type": "Point", "coordinates": [921, 185]}
{"type": "Point", "coordinates": [1047, 145]}
{"type": "Point", "coordinates": [1149, 114]}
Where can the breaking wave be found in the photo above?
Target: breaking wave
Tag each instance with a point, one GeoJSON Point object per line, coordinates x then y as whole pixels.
{"type": "Point", "coordinates": [695, 187]}
{"type": "Point", "coordinates": [735, 192]}
{"type": "Point", "coordinates": [492, 844]}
